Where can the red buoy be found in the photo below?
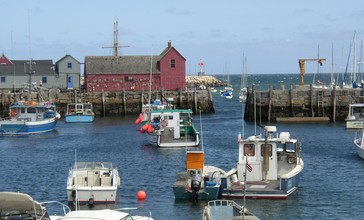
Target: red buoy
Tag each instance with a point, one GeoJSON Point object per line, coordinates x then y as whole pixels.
{"type": "Point", "coordinates": [141, 195]}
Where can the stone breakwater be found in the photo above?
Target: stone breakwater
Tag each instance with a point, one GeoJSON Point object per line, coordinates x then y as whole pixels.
{"type": "Point", "coordinates": [209, 81]}
{"type": "Point", "coordinates": [300, 103]}
{"type": "Point", "coordinates": [122, 102]}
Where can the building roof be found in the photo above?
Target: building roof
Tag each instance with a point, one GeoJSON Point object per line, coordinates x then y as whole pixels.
{"type": "Point", "coordinates": [121, 64]}
{"type": "Point", "coordinates": [66, 56]}
{"type": "Point", "coordinates": [21, 68]}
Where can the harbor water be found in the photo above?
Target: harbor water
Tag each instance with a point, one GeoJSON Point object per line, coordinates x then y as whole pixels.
{"type": "Point", "coordinates": [332, 182]}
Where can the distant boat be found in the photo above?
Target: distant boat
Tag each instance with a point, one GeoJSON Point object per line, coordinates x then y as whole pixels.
{"type": "Point", "coordinates": [79, 112]}
{"type": "Point", "coordinates": [92, 183]}
{"type": "Point", "coordinates": [243, 88]}
{"type": "Point", "coordinates": [359, 143]}
{"type": "Point", "coordinates": [355, 117]}
{"type": "Point", "coordinates": [29, 117]}
{"type": "Point", "coordinates": [226, 209]}
{"type": "Point", "coordinates": [272, 166]}
{"type": "Point", "coordinates": [198, 181]}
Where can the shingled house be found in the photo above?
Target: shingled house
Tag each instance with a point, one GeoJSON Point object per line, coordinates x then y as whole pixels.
{"type": "Point", "coordinates": [14, 74]}
{"type": "Point", "coordinates": [116, 73]}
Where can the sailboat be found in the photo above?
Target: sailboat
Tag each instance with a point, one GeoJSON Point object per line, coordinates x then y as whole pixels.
{"type": "Point", "coordinates": [244, 78]}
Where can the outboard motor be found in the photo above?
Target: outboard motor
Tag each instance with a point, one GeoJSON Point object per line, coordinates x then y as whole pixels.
{"type": "Point", "coordinates": [195, 185]}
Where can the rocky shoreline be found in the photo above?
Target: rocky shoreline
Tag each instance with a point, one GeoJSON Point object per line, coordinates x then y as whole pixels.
{"type": "Point", "coordinates": [209, 81]}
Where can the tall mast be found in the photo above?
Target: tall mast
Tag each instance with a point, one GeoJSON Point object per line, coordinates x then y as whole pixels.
{"type": "Point", "coordinates": [116, 43]}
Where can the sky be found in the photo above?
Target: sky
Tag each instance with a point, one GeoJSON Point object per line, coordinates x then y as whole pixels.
{"type": "Point", "coordinates": [272, 35]}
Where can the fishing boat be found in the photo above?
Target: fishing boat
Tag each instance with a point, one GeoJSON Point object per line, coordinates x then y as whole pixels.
{"type": "Point", "coordinates": [157, 104]}
{"type": "Point", "coordinates": [79, 112]}
{"type": "Point", "coordinates": [355, 118]}
{"type": "Point", "coordinates": [359, 143]}
{"type": "Point", "coordinates": [29, 117]}
{"type": "Point", "coordinates": [172, 128]}
{"type": "Point", "coordinates": [198, 181]}
{"type": "Point", "coordinates": [271, 165]}
{"type": "Point", "coordinates": [226, 209]}
{"type": "Point", "coordinates": [92, 183]}
{"type": "Point", "coordinates": [17, 205]}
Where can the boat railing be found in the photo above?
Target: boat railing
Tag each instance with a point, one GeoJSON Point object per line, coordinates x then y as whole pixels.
{"type": "Point", "coordinates": [66, 209]}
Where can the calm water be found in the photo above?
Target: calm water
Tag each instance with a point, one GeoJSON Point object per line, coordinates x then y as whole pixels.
{"type": "Point", "coordinates": [332, 183]}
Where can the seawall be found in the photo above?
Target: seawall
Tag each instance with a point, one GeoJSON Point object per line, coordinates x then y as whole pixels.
{"type": "Point", "coordinates": [300, 103]}
{"type": "Point", "coordinates": [120, 103]}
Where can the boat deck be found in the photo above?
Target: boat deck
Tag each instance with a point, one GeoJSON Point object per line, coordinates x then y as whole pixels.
{"type": "Point", "coordinates": [167, 139]}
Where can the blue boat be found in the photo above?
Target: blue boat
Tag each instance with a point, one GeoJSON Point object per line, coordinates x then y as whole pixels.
{"type": "Point", "coordinates": [79, 113]}
{"type": "Point", "coordinates": [198, 181]}
{"type": "Point", "coordinates": [268, 167]}
{"type": "Point", "coordinates": [29, 117]}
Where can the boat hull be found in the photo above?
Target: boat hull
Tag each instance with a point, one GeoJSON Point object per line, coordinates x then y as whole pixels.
{"type": "Point", "coordinates": [23, 128]}
{"type": "Point", "coordinates": [79, 118]}
{"type": "Point", "coordinates": [355, 124]}
{"type": "Point", "coordinates": [209, 193]}
{"type": "Point", "coordinates": [260, 191]}
{"type": "Point", "coordinates": [91, 195]}
{"type": "Point", "coordinates": [359, 147]}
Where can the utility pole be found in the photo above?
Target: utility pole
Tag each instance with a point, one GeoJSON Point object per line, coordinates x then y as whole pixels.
{"type": "Point", "coordinates": [116, 43]}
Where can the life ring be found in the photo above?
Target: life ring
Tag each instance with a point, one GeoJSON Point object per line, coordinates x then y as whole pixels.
{"type": "Point", "coordinates": [13, 112]}
{"type": "Point", "coordinates": [91, 202]}
{"type": "Point", "coordinates": [164, 123]}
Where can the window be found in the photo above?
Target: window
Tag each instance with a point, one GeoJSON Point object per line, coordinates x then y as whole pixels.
{"type": "Point", "coordinates": [129, 79]}
{"type": "Point", "coordinates": [249, 150]}
{"type": "Point", "coordinates": [270, 149]}
{"type": "Point", "coordinates": [44, 79]}
{"type": "Point", "coordinates": [173, 63]}
{"type": "Point", "coordinates": [3, 79]}
{"type": "Point", "coordinates": [69, 65]}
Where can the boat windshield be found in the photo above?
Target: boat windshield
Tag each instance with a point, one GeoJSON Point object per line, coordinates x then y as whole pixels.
{"type": "Point", "coordinates": [93, 165]}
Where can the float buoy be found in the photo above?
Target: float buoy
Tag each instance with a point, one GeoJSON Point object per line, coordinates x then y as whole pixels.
{"type": "Point", "coordinates": [141, 195]}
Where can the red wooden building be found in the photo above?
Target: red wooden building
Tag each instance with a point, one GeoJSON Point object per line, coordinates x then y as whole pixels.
{"type": "Point", "coordinates": [115, 73]}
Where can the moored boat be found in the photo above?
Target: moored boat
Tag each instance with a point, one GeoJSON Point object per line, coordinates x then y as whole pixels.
{"type": "Point", "coordinates": [102, 214]}
{"type": "Point", "coordinates": [271, 165]}
{"type": "Point", "coordinates": [29, 117]}
{"type": "Point", "coordinates": [355, 118]}
{"type": "Point", "coordinates": [172, 128]}
{"type": "Point", "coordinates": [198, 181]}
{"type": "Point", "coordinates": [359, 143]}
{"type": "Point", "coordinates": [225, 210]}
{"type": "Point", "coordinates": [92, 183]}
{"type": "Point", "coordinates": [79, 112]}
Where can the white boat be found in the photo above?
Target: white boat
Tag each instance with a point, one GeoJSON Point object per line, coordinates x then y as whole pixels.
{"type": "Point", "coordinates": [225, 210]}
{"type": "Point", "coordinates": [243, 94]}
{"type": "Point", "coordinates": [79, 112]}
{"type": "Point", "coordinates": [172, 128]}
{"type": "Point", "coordinates": [198, 181]}
{"type": "Point", "coordinates": [103, 214]}
{"type": "Point", "coordinates": [244, 78]}
{"type": "Point", "coordinates": [271, 165]}
{"type": "Point", "coordinates": [29, 117]}
{"type": "Point", "coordinates": [157, 104]}
{"type": "Point", "coordinates": [92, 183]}
{"type": "Point", "coordinates": [355, 118]}
{"type": "Point", "coordinates": [359, 143]}
{"type": "Point", "coordinates": [16, 205]}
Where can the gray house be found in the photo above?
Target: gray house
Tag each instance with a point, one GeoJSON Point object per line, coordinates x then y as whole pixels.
{"type": "Point", "coordinates": [17, 74]}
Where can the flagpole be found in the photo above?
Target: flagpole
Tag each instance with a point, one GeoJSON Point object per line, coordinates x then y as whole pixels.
{"type": "Point", "coordinates": [246, 161]}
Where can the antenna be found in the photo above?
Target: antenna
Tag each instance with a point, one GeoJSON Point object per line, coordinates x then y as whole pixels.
{"type": "Point", "coordinates": [116, 43]}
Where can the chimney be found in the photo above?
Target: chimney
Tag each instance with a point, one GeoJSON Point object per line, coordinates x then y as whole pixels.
{"type": "Point", "coordinates": [169, 44]}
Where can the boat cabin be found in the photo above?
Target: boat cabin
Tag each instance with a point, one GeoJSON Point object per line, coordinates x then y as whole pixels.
{"type": "Point", "coordinates": [266, 156]}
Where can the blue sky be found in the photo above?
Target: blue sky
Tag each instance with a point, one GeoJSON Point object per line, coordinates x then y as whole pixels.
{"type": "Point", "coordinates": [273, 35]}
